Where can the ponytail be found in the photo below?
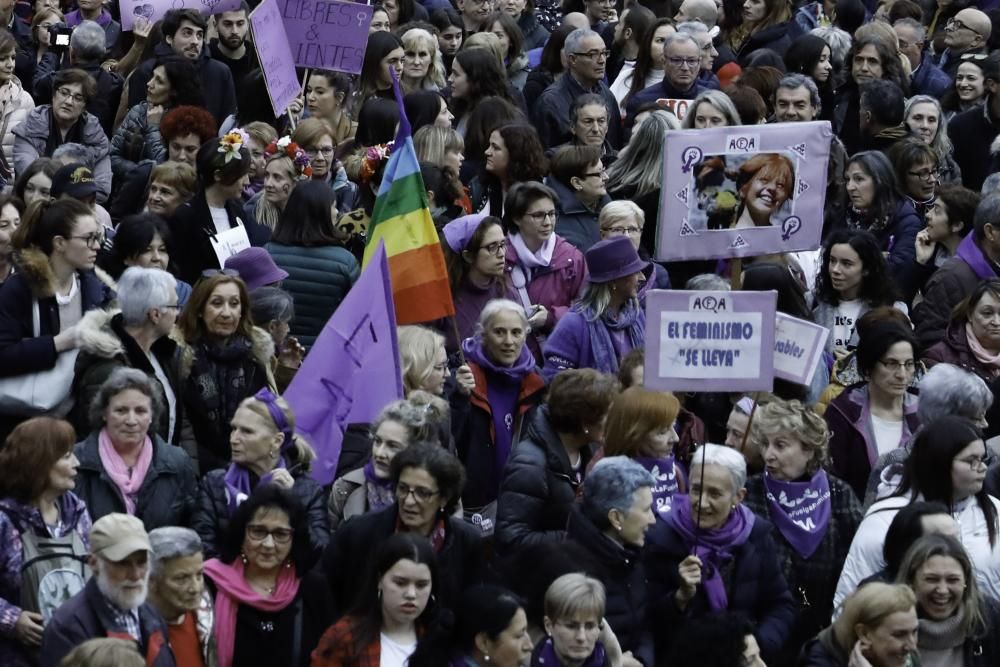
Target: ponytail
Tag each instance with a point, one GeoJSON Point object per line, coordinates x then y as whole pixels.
{"type": "Point", "coordinates": [44, 220]}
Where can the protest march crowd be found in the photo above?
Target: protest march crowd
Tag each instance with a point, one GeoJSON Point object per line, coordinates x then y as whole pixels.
{"type": "Point", "coordinates": [361, 379]}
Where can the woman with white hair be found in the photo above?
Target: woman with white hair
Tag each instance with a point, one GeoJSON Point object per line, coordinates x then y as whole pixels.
{"type": "Point", "coordinates": [926, 119]}
{"type": "Point", "coordinates": [713, 554]}
{"type": "Point", "coordinates": [507, 390]}
{"type": "Point", "coordinates": [609, 526]}
{"type": "Point", "coordinates": [137, 336]}
{"type": "Point", "coordinates": [712, 108]}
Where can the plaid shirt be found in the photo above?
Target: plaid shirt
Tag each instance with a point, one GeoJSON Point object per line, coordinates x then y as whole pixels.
{"type": "Point", "coordinates": [336, 648]}
{"type": "Point", "coordinates": [128, 620]}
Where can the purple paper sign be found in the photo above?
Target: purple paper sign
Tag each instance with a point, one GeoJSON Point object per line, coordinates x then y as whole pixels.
{"type": "Point", "coordinates": [153, 10]}
{"type": "Point", "coordinates": [709, 341]}
{"type": "Point", "coordinates": [743, 191]}
{"type": "Point", "coordinates": [275, 55]}
{"type": "Point", "coordinates": [328, 35]}
{"type": "Point", "coordinates": [798, 346]}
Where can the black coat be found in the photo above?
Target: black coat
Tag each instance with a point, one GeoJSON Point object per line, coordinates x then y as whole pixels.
{"type": "Point", "coordinates": [351, 551]}
{"type": "Point", "coordinates": [776, 37]}
{"type": "Point", "coordinates": [538, 488]}
{"type": "Point", "coordinates": [216, 82]}
{"type": "Point", "coordinates": [623, 574]}
{"type": "Point", "coordinates": [972, 132]}
{"type": "Point", "coordinates": [165, 498]}
{"type": "Point", "coordinates": [754, 585]}
{"type": "Point", "coordinates": [193, 230]}
{"type": "Point", "coordinates": [211, 519]}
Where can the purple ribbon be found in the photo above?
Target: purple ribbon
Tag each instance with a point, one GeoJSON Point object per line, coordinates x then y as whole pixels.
{"type": "Point", "coordinates": [237, 478]}
{"type": "Point", "coordinates": [800, 510]}
{"type": "Point", "coordinates": [664, 471]}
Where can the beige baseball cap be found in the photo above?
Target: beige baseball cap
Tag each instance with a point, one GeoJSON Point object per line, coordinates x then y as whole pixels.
{"type": "Point", "coordinates": [115, 537]}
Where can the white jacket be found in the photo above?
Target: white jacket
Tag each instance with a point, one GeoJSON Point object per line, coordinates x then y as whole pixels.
{"type": "Point", "coordinates": [865, 555]}
{"type": "Point", "coordinates": [15, 103]}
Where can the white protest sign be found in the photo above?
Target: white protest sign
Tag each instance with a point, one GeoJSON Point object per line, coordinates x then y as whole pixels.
{"type": "Point", "coordinates": [798, 346]}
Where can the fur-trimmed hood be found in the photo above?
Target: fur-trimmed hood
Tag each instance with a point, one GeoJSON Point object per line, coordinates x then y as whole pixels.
{"type": "Point", "coordinates": [96, 335]}
{"type": "Point", "coordinates": [262, 346]}
{"type": "Point", "coordinates": [34, 265]}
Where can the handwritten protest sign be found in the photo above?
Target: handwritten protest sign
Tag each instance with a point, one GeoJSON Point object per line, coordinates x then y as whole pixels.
{"type": "Point", "coordinates": [153, 10]}
{"type": "Point", "coordinates": [742, 191]}
{"type": "Point", "coordinates": [709, 341]}
{"type": "Point", "coordinates": [798, 346]}
{"type": "Point", "coordinates": [328, 35]}
{"type": "Point", "coordinates": [275, 55]}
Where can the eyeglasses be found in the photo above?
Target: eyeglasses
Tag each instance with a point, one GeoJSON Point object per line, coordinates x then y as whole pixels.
{"type": "Point", "coordinates": [92, 240]}
{"type": "Point", "coordinates": [171, 306]}
{"type": "Point", "coordinates": [925, 174]}
{"type": "Point", "coordinates": [624, 231]}
{"type": "Point", "coordinates": [976, 462]}
{"type": "Point", "coordinates": [575, 627]}
{"type": "Point", "coordinates": [208, 273]}
{"type": "Point", "coordinates": [259, 533]}
{"type": "Point", "coordinates": [539, 216]}
{"type": "Point", "coordinates": [893, 365]}
{"type": "Point", "coordinates": [420, 494]}
{"type": "Point", "coordinates": [975, 57]}
{"type": "Point", "coordinates": [76, 97]}
{"type": "Point", "coordinates": [955, 24]}
{"type": "Point", "coordinates": [595, 54]}
{"type": "Point", "coordinates": [690, 63]}
{"type": "Point", "coordinates": [495, 248]}
{"type": "Point", "coordinates": [326, 151]}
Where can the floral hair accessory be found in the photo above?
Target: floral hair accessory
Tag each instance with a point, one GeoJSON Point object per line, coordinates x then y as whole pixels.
{"type": "Point", "coordinates": [231, 144]}
{"type": "Point", "coordinates": [374, 156]}
{"type": "Point", "coordinates": [288, 148]}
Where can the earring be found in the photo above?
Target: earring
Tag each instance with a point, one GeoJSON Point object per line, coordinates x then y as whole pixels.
{"type": "Point", "coordinates": [243, 557]}
{"type": "Point", "coordinates": [486, 658]}
{"type": "Point", "coordinates": [618, 528]}
{"type": "Point", "coordinates": [586, 431]}
{"type": "Point", "coordinates": [288, 563]}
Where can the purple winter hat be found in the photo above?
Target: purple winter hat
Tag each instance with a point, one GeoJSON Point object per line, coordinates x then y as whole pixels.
{"type": "Point", "coordinates": [612, 259]}
{"type": "Point", "coordinates": [256, 267]}
{"type": "Point", "coordinates": [458, 232]}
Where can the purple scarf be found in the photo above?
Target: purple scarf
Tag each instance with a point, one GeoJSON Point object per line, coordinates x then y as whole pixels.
{"type": "Point", "coordinates": [237, 477]}
{"type": "Point", "coordinates": [613, 338]}
{"type": "Point", "coordinates": [667, 480]}
{"type": "Point", "coordinates": [714, 547]}
{"type": "Point", "coordinates": [973, 255]}
{"type": "Point", "coordinates": [800, 510]}
{"type": "Point", "coordinates": [503, 386]}
{"type": "Point", "coordinates": [547, 655]}
{"type": "Point", "coordinates": [379, 491]}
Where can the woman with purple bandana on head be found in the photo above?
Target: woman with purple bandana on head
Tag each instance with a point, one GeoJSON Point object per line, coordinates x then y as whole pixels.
{"type": "Point", "coordinates": [712, 554]}
{"type": "Point", "coordinates": [265, 448]}
{"type": "Point", "coordinates": [815, 514]}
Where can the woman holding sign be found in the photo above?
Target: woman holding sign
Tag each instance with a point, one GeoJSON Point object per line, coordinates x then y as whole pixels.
{"type": "Point", "coordinates": [815, 514]}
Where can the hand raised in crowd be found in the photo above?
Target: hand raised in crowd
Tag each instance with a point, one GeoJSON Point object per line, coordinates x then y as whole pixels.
{"type": "Point", "coordinates": [690, 573]}
{"type": "Point", "coordinates": [924, 246]}
{"type": "Point", "coordinates": [296, 106]}
{"type": "Point", "coordinates": [29, 628]}
{"type": "Point", "coordinates": [282, 478]}
{"type": "Point", "coordinates": [539, 317]}
{"type": "Point", "coordinates": [154, 113]}
{"type": "Point", "coordinates": [611, 644]}
{"type": "Point", "coordinates": [292, 353]}
{"type": "Point", "coordinates": [465, 379]}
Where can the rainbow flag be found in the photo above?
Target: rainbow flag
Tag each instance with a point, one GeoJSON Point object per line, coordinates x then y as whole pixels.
{"type": "Point", "coordinates": [401, 218]}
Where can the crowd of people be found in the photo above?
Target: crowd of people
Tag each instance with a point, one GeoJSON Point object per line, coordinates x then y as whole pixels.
{"type": "Point", "coordinates": [170, 251]}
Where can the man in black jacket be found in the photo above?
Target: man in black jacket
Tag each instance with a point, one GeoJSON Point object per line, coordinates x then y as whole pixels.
{"type": "Point", "coordinates": [184, 35]}
{"type": "Point", "coordinates": [232, 48]}
{"type": "Point", "coordinates": [683, 58]}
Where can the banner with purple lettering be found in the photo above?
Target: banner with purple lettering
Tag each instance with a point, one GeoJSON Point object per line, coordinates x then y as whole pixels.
{"type": "Point", "coordinates": [153, 10]}
{"type": "Point", "coordinates": [798, 347]}
{"type": "Point", "coordinates": [710, 341]}
{"type": "Point", "coordinates": [275, 55]}
{"type": "Point", "coordinates": [329, 35]}
{"type": "Point", "coordinates": [743, 191]}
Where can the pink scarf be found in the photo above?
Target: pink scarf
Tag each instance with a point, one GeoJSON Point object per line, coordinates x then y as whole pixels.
{"type": "Point", "coordinates": [233, 591]}
{"type": "Point", "coordinates": [127, 481]}
{"type": "Point", "coordinates": [981, 354]}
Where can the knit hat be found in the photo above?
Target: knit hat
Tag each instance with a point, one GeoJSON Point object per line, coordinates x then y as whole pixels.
{"type": "Point", "coordinates": [459, 231]}
{"type": "Point", "coordinates": [612, 259]}
{"type": "Point", "coordinates": [256, 267]}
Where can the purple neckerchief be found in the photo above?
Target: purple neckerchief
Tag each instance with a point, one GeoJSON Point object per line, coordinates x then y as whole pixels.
{"type": "Point", "coordinates": [713, 546]}
{"type": "Point", "coordinates": [800, 510]}
{"type": "Point", "coordinates": [238, 487]}
{"type": "Point", "coordinates": [629, 327]}
{"type": "Point", "coordinates": [972, 254]}
{"type": "Point", "coordinates": [379, 492]}
{"type": "Point", "coordinates": [547, 655]}
{"type": "Point", "coordinates": [667, 477]}
{"type": "Point", "coordinates": [75, 17]}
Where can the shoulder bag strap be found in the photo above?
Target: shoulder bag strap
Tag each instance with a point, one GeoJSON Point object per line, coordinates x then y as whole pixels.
{"type": "Point", "coordinates": [36, 318]}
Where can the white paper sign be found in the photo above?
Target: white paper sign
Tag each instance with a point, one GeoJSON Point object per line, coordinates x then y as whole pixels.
{"type": "Point", "coordinates": [798, 346]}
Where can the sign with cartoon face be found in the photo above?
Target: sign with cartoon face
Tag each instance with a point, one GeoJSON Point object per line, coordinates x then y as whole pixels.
{"type": "Point", "coordinates": [743, 191]}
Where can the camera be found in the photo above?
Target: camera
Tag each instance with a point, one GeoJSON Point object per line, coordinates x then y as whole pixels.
{"type": "Point", "coordinates": [59, 35]}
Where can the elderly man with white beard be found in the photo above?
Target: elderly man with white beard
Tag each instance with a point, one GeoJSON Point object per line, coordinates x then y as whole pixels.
{"type": "Point", "coordinates": [113, 603]}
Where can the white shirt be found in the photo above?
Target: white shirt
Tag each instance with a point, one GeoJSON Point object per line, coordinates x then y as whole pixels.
{"type": "Point", "coordinates": [844, 322]}
{"type": "Point", "coordinates": [623, 82]}
{"type": "Point", "coordinates": [220, 219]}
{"type": "Point", "coordinates": [394, 654]}
{"type": "Point", "coordinates": [887, 434]}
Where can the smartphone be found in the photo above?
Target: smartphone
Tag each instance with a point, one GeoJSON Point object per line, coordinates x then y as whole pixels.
{"type": "Point", "coordinates": [59, 35]}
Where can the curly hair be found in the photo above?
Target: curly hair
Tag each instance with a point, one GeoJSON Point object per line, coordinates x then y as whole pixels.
{"type": "Point", "coordinates": [892, 66]}
{"type": "Point", "coordinates": [527, 155]}
{"type": "Point", "coordinates": [266, 497]}
{"type": "Point", "coordinates": [29, 454]}
{"type": "Point", "coordinates": [791, 417]}
{"type": "Point", "coordinates": [185, 84]}
{"type": "Point", "coordinates": [184, 120]}
{"type": "Point", "coordinates": [877, 289]}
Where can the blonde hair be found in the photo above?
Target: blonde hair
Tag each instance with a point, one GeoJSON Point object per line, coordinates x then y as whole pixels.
{"type": "Point", "coordinates": [261, 132]}
{"type": "Point", "coordinates": [418, 348]}
{"type": "Point", "coordinates": [267, 213]}
{"type": "Point", "coordinates": [431, 143]}
{"type": "Point", "coordinates": [488, 41]}
{"type": "Point", "coordinates": [414, 38]}
{"type": "Point", "coordinates": [104, 652]}
{"type": "Point", "coordinates": [620, 210]}
{"type": "Point", "coordinates": [304, 454]}
{"type": "Point", "coordinates": [635, 414]}
{"type": "Point", "coordinates": [573, 595]}
{"type": "Point", "coordinates": [780, 416]}
{"type": "Point", "coordinates": [869, 606]}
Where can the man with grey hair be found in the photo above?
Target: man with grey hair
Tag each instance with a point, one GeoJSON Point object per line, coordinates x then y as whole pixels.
{"type": "Point", "coordinates": [682, 56]}
{"type": "Point", "coordinates": [87, 50]}
{"type": "Point", "coordinates": [586, 58]}
{"type": "Point", "coordinates": [137, 336]}
{"type": "Point", "coordinates": [709, 53]}
{"type": "Point", "coordinates": [704, 11]}
{"type": "Point", "coordinates": [177, 591]}
{"type": "Point", "coordinates": [926, 77]}
{"type": "Point", "coordinates": [113, 603]}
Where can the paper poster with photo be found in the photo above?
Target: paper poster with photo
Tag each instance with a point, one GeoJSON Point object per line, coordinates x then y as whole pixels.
{"type": "Point", "coordinates": [742, 191]}
{"type": "Point", "coordinates": [679, 108]}
{"type": "Point", "coordinates": [710, 341]}
{"type": "Point", "coordinates": [153, 10]}
{"type": "Point", "coordinates": [798, 347]}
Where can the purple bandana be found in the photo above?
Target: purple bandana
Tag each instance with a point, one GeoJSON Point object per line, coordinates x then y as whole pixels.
{"type": "Point", "coordinates": [237, 477]}
{"type": "Point", "coordinates": [667, 480]}
{"type": "Point", "coordinates": [547, 655]}
{"type": "Point", "coordinates": [800, 510]}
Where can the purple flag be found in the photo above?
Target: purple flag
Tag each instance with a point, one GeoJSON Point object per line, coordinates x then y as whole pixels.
{"type": "Point", "coordinates": [352, 371]}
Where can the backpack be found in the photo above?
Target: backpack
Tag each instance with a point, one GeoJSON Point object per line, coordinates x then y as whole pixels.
{"type": "Point", "coordinates": [53, 569]}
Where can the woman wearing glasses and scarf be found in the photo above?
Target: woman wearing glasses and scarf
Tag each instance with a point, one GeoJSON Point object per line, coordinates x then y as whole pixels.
{"type": "Point", "coordinates": [265, 449]}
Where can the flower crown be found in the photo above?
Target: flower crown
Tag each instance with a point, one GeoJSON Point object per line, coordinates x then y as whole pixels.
{"type": "Point", "coordinates": [231, 144]}
{"type": "Point", "coordinates": [373, 157]}
{"type": "Point", "coordinates": [285, 146]}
